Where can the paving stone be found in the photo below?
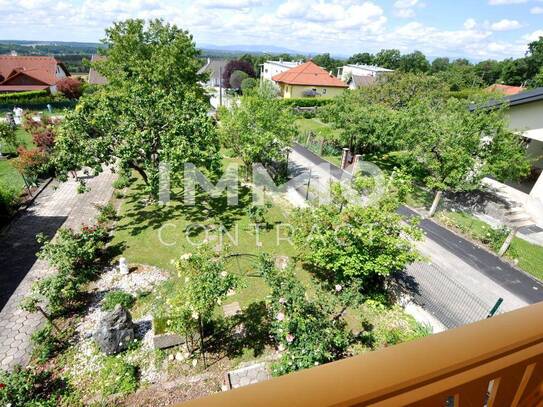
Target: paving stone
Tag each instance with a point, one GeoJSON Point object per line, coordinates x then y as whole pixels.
{"type": "Point", "coordinates": [53, 208]}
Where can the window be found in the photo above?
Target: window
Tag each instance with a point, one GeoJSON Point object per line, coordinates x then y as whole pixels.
{"type": "Point", "coordinates": [324, 91]}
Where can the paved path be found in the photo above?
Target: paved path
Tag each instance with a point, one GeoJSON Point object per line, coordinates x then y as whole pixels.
{"type": "Point", "coordinates": [58, 205]}
{"type": "Point", "coordinates": [473, 277]}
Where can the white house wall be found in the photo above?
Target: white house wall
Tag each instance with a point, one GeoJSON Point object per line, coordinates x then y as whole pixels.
{"type": "Point", "coordinates": [528, 119]}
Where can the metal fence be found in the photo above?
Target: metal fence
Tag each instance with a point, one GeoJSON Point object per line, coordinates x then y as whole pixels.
{"type": "Point", "coordinates": [448, 300]}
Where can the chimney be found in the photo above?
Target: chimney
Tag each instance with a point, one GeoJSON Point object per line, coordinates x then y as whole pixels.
{"type": "Point", "coordinates": [208, 60]}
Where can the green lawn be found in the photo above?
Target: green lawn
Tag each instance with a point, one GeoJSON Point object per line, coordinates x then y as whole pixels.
{"type": "Point", "coordinates": [330, 153]}
{"type": "Point", "coordinates": [528, 255]}
{"type": "Point", "coordinates": [8, 174]}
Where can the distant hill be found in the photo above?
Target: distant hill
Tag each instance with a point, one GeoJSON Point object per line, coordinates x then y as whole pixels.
{"type": "Point", "coordinates": [252, 49]}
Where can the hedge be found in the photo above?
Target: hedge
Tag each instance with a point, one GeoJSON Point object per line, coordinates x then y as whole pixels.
{"type": "Point", "coordinates": [22, 95]}
{"type": "Point", "coordinates": [306, 102]}
{"type": "Point", "coordinates": [38, 104]}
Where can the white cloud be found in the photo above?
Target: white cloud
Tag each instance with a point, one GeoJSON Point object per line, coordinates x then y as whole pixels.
{"type": "Point", "coordinates": [505, 2]}
{"type": "Point", "coordinates": [231, 4]}
{"type": "Point", "coordinates": [536, 10]}
{"type": "Point", "coordinates": [405, 8]}
{"type": "Point", "coordinates": [470, 24]}
{"type": "Point", "coordinates": [505, 25]}
{"type": "Point", "coordinates": [533, 36]}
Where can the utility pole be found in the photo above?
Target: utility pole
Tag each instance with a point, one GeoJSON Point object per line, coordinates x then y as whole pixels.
{"type": "Point", "coordinates": [220, 86]}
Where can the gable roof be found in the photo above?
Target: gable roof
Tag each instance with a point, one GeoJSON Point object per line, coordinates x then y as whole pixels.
{"type": "Point", "coordinates": [94, 77]}
{"type": "Point", "coordinates": [504, 89]}
{"type": "Point", "coordinates": [43, 69]}
{"type": "Point", "coordinates": [213, 68]}
{"type": "Point", "coordinates": [522, 98]}
{"type": "Point", "coordinates": [362, 81]}
{"type": "Point", "coordinates": [309, 74]}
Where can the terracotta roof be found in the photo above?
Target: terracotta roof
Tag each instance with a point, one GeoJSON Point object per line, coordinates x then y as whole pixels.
{"type": "Point", "coordinates": [43, 69]}
{"type": "Point", "coordinates": [94, 77]}
{"type": "Point", "coordinates": [505, 89]}
{"type": "Point", "coordinates": [309, 74]}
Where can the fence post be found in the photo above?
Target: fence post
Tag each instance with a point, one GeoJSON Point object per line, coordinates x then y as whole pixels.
{"type": "Point", "coordinates": [344, 156]}
{"type": "Point", "coordinates": [308, 183]}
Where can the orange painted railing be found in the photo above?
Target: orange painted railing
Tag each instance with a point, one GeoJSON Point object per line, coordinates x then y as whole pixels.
{"type": "Point", "coordinates": [496, 362]}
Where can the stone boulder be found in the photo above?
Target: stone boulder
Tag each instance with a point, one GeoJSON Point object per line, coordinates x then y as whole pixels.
{"type": "Point", "coordinates": [115, 331]}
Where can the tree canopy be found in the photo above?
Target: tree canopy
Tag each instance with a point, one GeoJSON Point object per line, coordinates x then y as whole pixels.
{"type": "Point", "coordinates": [152, 111]}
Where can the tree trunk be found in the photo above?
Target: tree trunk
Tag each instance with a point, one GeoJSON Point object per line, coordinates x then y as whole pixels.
{"type": "Point", "coordinates": [201, 323]}
{"type": "Point", "coordinates": [437, 198]}
{"type": "Point", "coordinates": [508, 241]}
{"type": "Point", "coordinates": [321, 147]}
{"type": "Point", "coordinates": [140, 171]}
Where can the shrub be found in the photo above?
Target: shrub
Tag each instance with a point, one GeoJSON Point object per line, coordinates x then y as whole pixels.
{"type": "Point", "coordinates": [107, 213]}
{"type": "Point", "coordinates": [70, 87]}
{"type": "Point", "coordinates": [73, 255]}
{"type": "Point", "coordinates": [9, 198]}
{"type": "Point", "coordinates": [306, 102]}
{"type": "Point", "coordinates": [33, 94]}
{"type": "Point", "coordinates": [46, 343]}
{"type": "Point", "coordinates": [28, 387]}
{"type": "Point", "coordinates": [121, 182]}
{"type": "Point", "coordinates": [8, 138]}
{"type": "Point", "coordinates": [31, 164]}
{"type": "Point", "coordinates": [117, 377]}
{"type": "Point", "coordinates": [248, 84]}
{"type": "Point", "coordinates": [236, 78]}
{"type": "Point", "coordinates": [113, 298]}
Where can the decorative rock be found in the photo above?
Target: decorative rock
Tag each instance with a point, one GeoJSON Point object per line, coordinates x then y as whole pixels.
{"type": "Point", "coordinates": [248, 375]}
{"type": "Point", "coordinates": [115, 331]}
{"type": "Point", "coordinates": [179, 357]}
{"type": "Point", "coordinates": [123, 266]}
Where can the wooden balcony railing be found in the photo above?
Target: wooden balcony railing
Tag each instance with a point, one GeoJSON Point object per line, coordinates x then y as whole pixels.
{"type": "Point", "coordinates": [496, 362]}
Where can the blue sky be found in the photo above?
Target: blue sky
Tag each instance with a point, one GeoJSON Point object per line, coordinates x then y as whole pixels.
{"type": "Point", "coordinates": [476, 29]}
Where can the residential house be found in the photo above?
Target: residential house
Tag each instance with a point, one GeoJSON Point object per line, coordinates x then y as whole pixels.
{"type": "Point", "coordinates": [309, 80]}
{"type": "Point", "coordinates": [525, 116]}
{"type": "Point", "coordinates": [27, 73]}
{"type": "Point", "coordinates": [349, 70]}
{"type": "Point", "coordinates": [214, 69]}
{"type": "Point", "coordinates": [96, 78]}
{"type": "Point", "coordinates": [357, 81]}
{"type": "Point", "coordinates": [271, 68]}
{"type": "Point", "coordinates": [504, 89]}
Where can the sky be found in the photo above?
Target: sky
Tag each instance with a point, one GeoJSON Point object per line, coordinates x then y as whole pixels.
{"type": "Point", "coordinates": [475, 29]}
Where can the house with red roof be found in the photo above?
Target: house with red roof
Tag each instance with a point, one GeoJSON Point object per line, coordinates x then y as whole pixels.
{"type": "Point", "coordinates": [504, 89]}
{"type": "Point", "coordinates": [27, 73]}
{"type": "Point", "coordinates": [309, 80]}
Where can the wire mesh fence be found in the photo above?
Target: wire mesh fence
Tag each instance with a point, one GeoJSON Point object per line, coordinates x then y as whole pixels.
{"type": "Point", "coordinates": [448, 300]}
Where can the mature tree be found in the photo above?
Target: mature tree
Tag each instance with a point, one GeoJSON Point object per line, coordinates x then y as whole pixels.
{"type": "Point", "coordinates": [515, 72]}
{"type": "Point", "coordinates": [388, 58]}
{"type": "Point", "coordinates": [70, 87]}
{"type": "Point", "coordinates": [364, 58]}
{"type": "Point", "coordinates": [236, 65]}
{"type": "Point", "coordinates": [461, 62]}
{"type": "Point", "coordinates": [489, 71]}
{"type": "Point", "coordinates": [258, 129]}
{"type": "Point", "coordinates": [236, 78]}
{"type": "Point", "coordinates": [157, 56]}
{"type": "Point", "coordinates": [538, 79]}
{"type": "Point", "coordinates": [535, 57]}
{"type": "Point", "coordinates": [354, 244]}
{"type": "Point", "coordinates": [440, 64]}
{"type": "Point", "coordinates": [309, 331]}
{"type": "Point", "coordinates": [152, 111]}
{"type": "Point", "coordinates": [414, 62]}
{"type": "Point", "coordinates": [455, 147]}
{"type": "Point", "coordinates": [460, 77]}
{"type": "Point", "coordinates": [327, 62]}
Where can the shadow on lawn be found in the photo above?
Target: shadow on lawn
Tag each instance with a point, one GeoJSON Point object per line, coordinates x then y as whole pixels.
{"type": "Point", "coordinates": [141, 216]}
{"type": "Point", "coordinates": [248, 330]}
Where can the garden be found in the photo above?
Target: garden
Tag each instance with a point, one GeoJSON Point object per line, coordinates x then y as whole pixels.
{"type": "Point", "coordinates": [159, 300]}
